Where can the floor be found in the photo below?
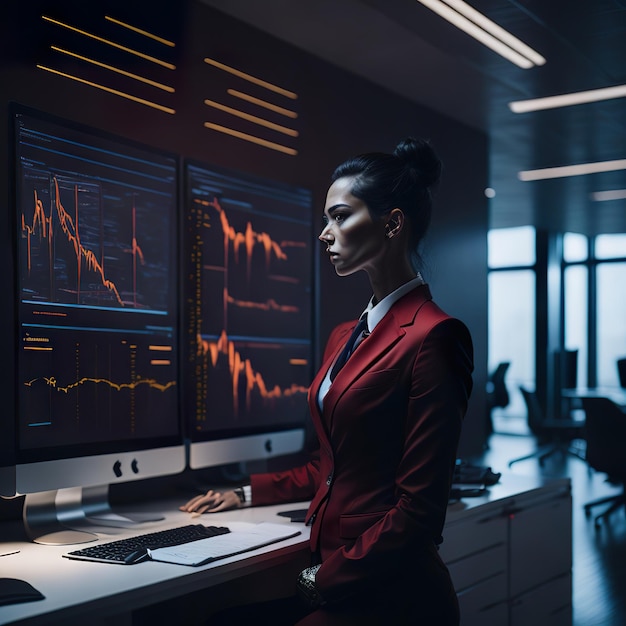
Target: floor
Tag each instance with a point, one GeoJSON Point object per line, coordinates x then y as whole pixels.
{"type": "Point", "coordinates": [599, 554]}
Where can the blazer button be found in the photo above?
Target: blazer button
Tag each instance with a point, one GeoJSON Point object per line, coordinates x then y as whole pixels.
{"type": "Point", "coordinates": [329, 479]}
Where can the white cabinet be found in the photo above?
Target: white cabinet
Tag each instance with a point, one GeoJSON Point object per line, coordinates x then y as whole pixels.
{"type": "Point", "coordinates": [475, 551]}
{"type": "Point", "coordinates": [510, 554]}
{"type": "Point", "coordinates": [548, 604]}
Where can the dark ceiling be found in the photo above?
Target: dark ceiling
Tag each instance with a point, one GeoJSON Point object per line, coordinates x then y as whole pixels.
{"type": "Point", "coordinates": [408, 49]}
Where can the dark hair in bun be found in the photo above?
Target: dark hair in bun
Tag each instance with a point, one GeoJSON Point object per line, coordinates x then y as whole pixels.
{"type": "Point", "coordinates": [404, 179]}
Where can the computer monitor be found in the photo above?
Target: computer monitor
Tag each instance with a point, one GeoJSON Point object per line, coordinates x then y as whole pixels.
{"type": "Point", "coordinates": [92, 316]}
{"type": "Point", "coordinates": [248, 316]}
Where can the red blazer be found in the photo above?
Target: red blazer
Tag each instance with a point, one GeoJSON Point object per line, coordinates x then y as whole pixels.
{"type": "Point", "coordinates": [388, 436]}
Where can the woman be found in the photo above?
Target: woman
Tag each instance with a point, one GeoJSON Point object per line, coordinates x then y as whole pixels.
{"type": "Point", "coordinates": [388, 421]}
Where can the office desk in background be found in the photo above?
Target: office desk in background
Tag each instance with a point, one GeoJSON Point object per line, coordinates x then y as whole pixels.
{"type": "Point", "coordinates": [509, 552]}
{"type": "Point", "coordinates": [616, 394]}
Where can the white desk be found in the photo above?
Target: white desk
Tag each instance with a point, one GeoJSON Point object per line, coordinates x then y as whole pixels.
{"type": "Point", "coordinates": [80, 592]}
{"type": "Point", "coordinates": [509, 553]}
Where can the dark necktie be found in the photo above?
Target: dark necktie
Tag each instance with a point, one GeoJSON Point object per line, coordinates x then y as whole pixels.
{"type": "Point", "coordinates": [349, 347]}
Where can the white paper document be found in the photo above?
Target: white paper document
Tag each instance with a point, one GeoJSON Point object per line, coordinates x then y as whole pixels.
{"type": "Point", "coordinates": [240, 539]}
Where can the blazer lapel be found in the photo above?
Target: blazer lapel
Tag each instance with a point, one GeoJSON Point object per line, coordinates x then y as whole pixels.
{"type": "Point", "coordinates": [387, 333]}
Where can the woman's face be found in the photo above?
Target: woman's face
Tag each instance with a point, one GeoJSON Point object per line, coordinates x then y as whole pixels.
{"type": "Point", "coordinates": [355, 241]}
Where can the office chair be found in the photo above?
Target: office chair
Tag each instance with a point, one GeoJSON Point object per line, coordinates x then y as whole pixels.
{"type": "Point", "coordinates": [566, 371]}
{"type": "Point", "coordinates": [605, 428]}
{"type": "Point", "coordinates": [621, 372]}
{"type": "Point", "coordinates": [568, 368]}
{"type": "Point", "coordinates": [558, 432]}
{"type": "Point", "coordinates": [497, 393]}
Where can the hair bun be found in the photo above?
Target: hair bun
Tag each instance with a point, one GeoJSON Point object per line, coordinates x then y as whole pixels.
{"type": "Point", "coordinates": [418, 155]}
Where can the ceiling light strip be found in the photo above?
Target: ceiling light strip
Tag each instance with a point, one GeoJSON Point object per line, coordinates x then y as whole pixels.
{"type": "Point", "coordinates": [568, 99]}
{"type": "Point", "coordinates": [252, 118]}
{"type": "Point", "coordinates": [613, 194]}
{"type": "Point", "coordinates": [261, 142]}
{"type": "Point", "coordinates": [572, 170]}
{"type": "Point", "coordinates": [117, 70]}
{"type": "Point", "coordinates": [153, 105]}
{"type": "Point", "coordinates": [497, 31]}
{"type": "Point", "coordinates": [252, 79]}
{"type": "Point", "coordinates": [477, 33]}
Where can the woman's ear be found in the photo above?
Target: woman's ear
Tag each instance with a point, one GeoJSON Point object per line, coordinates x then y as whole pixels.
{"type": "Point", "coordinates": [395, 222]}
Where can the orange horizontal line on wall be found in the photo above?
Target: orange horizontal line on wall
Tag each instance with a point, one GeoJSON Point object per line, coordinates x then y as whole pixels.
{"type": "Point", "coordinates": [147, 57]}
{"type": "Point", "coordinates": [160, 362]}
{"type": "Point", "coordinates": [116, 92]}
{"type": "Point", "coordinates": [160, 348]}
{"type": "Point", "coordinates": [251, 138]}
{"type": "Point", "coordinates": [166, 42]}
{"type": "Point", "coordinates": [262, 103]}
{"type": "Point", "coordinates": [252, 79]}
{"type": "Point", "coordinates": [252, 118]}
{"type": "Point", "coordinates": [117, 70]}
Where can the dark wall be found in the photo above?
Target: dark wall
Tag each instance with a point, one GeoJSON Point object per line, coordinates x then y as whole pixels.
{"type": "Point", "coordinates": [339, 115]}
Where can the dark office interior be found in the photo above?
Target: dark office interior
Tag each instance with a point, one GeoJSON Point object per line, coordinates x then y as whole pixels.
{"type": "Point", "coordinates": [367, 73]}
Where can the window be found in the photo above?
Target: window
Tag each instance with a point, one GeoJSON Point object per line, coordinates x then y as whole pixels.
{"type": "Point", "coordinates": [590, 308]}
{"type": "Point", "coordinates": [611, 246]}
{"type": "Point", "coordinates": [611, 327]}
{"type": "Point", "coordinates": [511, 314]}
{"type": "Point", "coordinates": [599, 332]}
{"type": "Point", "coordinates": [576, 280]}
{"type": "Point", "coordinates": [575, 247]}
{"type": "Point", "coordinates": [508, 247]}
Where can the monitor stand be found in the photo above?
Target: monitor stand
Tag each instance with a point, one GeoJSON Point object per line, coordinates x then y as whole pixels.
{"type": "Point", "coordinates": [67, 516]}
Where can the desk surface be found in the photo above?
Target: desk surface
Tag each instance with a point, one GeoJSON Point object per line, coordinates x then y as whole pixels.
{"type": "Point", "coordinates": [617, 394]}
{"type": "Point", "coordinates": [78, 591]}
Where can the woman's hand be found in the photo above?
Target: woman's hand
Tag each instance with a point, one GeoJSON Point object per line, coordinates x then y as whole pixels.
{"type": "Point", "coordinates": [212, 502]}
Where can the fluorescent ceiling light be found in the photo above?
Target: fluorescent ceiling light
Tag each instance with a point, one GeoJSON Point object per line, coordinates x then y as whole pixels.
{"type": "Point", "coordinates": [568, 99]}
{"type": "Point", "coordinates": [613, 194]}
{"type": "Point", "coordinates": [572, 170]}
{"type": "Point", "coordinates": [484, 30]}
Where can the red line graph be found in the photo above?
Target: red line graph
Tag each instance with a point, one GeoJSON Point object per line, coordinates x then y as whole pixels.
{"type": "Point", "coordinates": [41, 226]}
{"type": "Point", "coordinates": [245, 260]}
{"type": "Point", "coordinates": [268, 305]}
{"type": "Point", "coordinates": [212, 350]}
{"type": "Point", "coordinates": [249, 238]}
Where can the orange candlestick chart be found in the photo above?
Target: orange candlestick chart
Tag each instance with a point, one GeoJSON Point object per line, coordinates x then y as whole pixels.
{"type": "Point", "coordinates": [249, 292]}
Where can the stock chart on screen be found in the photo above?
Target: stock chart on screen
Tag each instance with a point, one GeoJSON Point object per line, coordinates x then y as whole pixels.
{"type": "Point", "coordinates": [248, 301]}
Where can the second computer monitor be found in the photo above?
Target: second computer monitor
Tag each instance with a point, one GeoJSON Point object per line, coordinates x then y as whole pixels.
{"type": "Point", "coordinates": [248, 315]}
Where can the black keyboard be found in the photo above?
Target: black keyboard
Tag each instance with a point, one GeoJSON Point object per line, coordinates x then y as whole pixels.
{"type": "Point", "coordinates": [134, 549]}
